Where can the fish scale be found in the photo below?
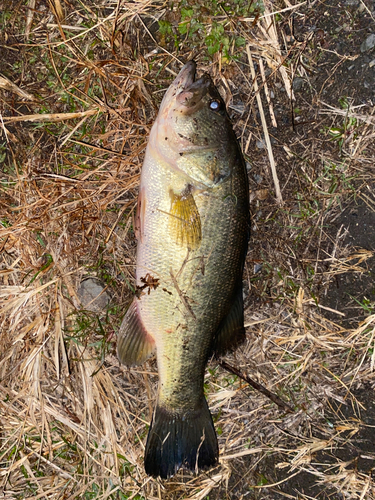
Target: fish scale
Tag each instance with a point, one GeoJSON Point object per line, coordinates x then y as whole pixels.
{"type": "Point", "coordinates": [193, 229]}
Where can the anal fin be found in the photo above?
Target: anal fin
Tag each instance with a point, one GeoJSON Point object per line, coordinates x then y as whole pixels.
{"type": "Point", "coordinates": [134, 343]}
{"type": "Point", "coordinates": [185, 221]}
{"type": "Point", "coordinates": [231, 332]}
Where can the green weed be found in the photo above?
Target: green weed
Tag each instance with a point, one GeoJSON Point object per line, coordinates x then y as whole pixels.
{"type": "Point", "coordinates": [208, 23]}
{"type": "Point", "coordinates": [334, 182]}
{"type": "Point", "coordinates": [367, 305]}
{"type": "Point", "coordinates": [347, 129]}
{"type": "Point", "coordinates": [92, 332]}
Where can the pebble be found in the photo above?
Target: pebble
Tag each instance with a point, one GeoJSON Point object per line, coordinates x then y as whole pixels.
{"type": "Point", "coordinates": [257, 268]}
{"type": "Point", "coordinates": [92, 296]}
{"type": "Point", "coordinates": [369, 43]}
{"type": "Point", "coordinates": [298, 84]}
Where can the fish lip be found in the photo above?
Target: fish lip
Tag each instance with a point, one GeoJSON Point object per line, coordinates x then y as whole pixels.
{"type": "Point", "coordinates": [186, 86]}
{"type": "Point", "coordinates": [186, 76]}
{"type": "Point", "coordinates": [191, 95]}
{"type": "Point", "coordinates": [183, 80]}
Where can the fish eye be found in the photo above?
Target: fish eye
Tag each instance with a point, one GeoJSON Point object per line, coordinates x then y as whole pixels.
{"type": "Point", "coordinates": [215, 105]}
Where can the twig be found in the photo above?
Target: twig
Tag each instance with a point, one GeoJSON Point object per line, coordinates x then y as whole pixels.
{"type": "Point", "coordinates": [182, 296]}
{"type": "Point", "coordinates": [270, 34]}
{"type": "Point", "coordinates": [257, 386]}
{"type": "Point", "coordinates": [50, 117]}
{"type": "Point", "coordinates": [265, 129]}
{"type": "Point", "coordinates": [6, 84]}
{"type": "Point", "coordinates": [270, 14]}
{"type": "Point", "coordinates": [347, 113]}
{"type": "Point", "coordinates": [267, 94]}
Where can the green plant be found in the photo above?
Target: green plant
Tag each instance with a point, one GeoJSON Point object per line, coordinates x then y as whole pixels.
{"type": "Point", "coordinates": [334, 181]}
{"type": "Point", "coordinates": [208, 23]}
{"type": "Point", "coordinates": [366, 304]}
{"type": "Point", "coordinates": [347, 129]}
{"type": "Point", "coordinates": [92, 332]}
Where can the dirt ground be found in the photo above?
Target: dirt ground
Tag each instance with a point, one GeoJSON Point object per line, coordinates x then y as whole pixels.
{"type": "Point", "coordinates": [339, 29]}
{"type": "Point", "coordinates": [343, 30]}
{"type": "Point", "coordinates": [73, 419]}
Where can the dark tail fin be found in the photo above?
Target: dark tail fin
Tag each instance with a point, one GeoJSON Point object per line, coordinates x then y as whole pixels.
{"type": "Point", "coordinates": [175, 440]}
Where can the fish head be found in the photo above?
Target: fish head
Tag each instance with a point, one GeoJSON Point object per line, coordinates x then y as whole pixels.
{"type": "Point", "coordinates": [192, 116]}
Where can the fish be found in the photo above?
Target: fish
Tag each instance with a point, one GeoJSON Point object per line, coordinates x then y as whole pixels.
{"type": "Point", "coordinates": [192, 227]}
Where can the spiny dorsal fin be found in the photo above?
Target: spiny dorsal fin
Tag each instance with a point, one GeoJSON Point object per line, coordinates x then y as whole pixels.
{"type": "Point", "coordinates": [134, 344]}
{"type": "Point", "coordinates": [185, 221]}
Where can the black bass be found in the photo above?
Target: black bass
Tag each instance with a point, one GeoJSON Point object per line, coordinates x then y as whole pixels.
{"type": "Point", "coordinates": [192, 229]}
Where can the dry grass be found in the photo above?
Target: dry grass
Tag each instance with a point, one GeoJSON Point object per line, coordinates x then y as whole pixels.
{"type": "Point", "coordinates": [80, 90]}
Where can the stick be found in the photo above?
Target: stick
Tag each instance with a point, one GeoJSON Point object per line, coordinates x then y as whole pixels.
{"type": "Point", "coordinates": [50, 117]}
{"type": "Point", "coordinates": [280, 403]}
{"type": "Point", "coordinates": [265, 129]}
{"type": "Point", "coordinates": [182, 297]}
{"type": "Point", "coordinates": [265, 87]}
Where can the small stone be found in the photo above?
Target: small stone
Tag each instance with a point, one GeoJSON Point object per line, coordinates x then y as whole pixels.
{"type": "Point", "coordinates": [260, 144]}
{"type": "Point", "coordinates": [257, 268]}
{"type": "Point", "coordinates": [369, 43]}
{"type": "Point", "coordinates": [298, 84]}
{"type": "Point", "coordinates": [93, 296]}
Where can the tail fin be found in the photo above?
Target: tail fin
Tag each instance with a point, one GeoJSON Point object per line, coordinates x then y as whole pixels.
{"type": "Point", "coordinates": [175, 440]}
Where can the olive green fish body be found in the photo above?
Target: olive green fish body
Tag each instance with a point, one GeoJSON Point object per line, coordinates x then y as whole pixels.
{"type": "Point", "coordinates": [192, 225]}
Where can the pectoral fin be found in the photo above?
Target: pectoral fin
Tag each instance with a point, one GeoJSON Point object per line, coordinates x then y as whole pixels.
{"type": "Point", "coordinates": [231, 332]}
{"type": "Point", "coordinates": [185, 221]}
{"type": "Point", "coordinates": [134, 344]}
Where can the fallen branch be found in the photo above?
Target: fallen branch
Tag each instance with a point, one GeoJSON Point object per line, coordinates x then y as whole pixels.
{"type": "Point", "coordinates": [280, 403]}
{"type": "Point", "coordinates": [50, 117]}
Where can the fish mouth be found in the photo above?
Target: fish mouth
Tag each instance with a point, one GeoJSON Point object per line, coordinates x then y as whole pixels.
{"type": "Point", "coordinates": [186, 76]}
{"type": "Point", "coordinates": [188, 91]}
